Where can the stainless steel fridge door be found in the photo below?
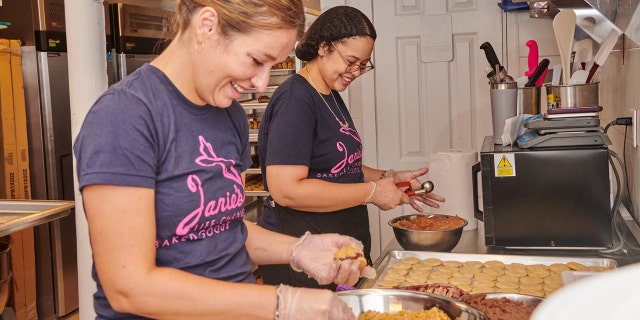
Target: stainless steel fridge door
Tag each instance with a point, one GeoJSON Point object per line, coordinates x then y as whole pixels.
{"type": "Point", "coordinates": [56, 251]}
{"type": "Point", "coordinates": [128, 63]}
{"type": "Point", "coordinates": [112, 68]}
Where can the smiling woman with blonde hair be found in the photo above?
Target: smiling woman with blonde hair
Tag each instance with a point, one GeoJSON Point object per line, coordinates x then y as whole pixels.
{"type": "Point", "coordinates": [160, 161]}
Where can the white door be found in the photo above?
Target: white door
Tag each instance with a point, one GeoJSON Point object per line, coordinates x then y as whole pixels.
{"type": "Point", "coordinates": [422, 107]}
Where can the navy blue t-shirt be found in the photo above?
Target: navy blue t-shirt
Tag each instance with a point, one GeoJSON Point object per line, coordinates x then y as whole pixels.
{"type": "Point", "coordinates": [298, 128]}
{"type": "Point", "coordinates": [143, 132]}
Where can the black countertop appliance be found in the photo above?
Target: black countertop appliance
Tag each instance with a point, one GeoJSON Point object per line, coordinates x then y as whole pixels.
{"type": "Point", "coordinates": [548, 198]}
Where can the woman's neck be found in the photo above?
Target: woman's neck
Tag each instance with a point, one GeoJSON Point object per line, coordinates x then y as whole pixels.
{"type": "Point", "coordinates": [314, 78]}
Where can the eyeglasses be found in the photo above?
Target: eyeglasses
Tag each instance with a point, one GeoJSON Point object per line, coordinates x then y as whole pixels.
{"type": "Point", "coordinates": [352, 66]}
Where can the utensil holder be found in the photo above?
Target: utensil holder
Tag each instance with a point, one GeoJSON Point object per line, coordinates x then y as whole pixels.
{"type": "Point", "coordinates": [571, 96]}
{"type": "Point", "coordinates": [504, 105]}
{"type": "Point", "coordinates": [529, 100]}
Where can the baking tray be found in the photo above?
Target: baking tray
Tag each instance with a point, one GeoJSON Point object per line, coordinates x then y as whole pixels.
{"type": "Point", "coordinates": [17, 215]}
{"type": "Point", "coordinates": [256, 193]}
{"type": "Point", "coordinates": [395, 255]}
{"type": "Point", "coordinates": [282, 72]}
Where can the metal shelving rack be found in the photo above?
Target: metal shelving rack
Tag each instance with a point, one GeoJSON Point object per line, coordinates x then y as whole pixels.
{"type": "Point", "coordinates": [254, 109]}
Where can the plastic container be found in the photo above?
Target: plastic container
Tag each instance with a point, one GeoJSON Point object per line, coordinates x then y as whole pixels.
{"type": "Point", "coordinates": [504, 105]}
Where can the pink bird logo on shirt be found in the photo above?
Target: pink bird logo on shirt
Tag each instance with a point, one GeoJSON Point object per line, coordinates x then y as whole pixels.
{"type": "Point", "coordinates": [233, 200]}
{"type": "Point", "coordinates": [209, 158]}
{"type": "Point", "coordinates": [351, 132]}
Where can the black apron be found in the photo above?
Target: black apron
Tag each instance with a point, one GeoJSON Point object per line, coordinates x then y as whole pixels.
{"type": "Point", "coordinates": [352, 222]}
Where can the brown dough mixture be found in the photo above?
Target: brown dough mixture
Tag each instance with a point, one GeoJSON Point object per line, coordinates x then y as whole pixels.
{"type": "Point", "coordinates": [430, 222]}
{"type": "Point", "coordinates": [501, 308]}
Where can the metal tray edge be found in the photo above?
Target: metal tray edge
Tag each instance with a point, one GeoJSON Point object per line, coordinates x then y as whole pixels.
{"type": "Point", "coordinates": [381, 264]}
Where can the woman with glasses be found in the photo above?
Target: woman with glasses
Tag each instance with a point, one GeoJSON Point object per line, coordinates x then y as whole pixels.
{"type": "Point", "coordinates": [160, 162]}
{"type": "Point", "coordinates": [310, 152]}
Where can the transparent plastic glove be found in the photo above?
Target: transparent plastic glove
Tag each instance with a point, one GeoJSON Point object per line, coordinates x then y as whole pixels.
{"type": "Point", "coordinates": [305, 303]}
{"type": "Point", "coordinates": [430, 199]}
{"type": "Point", "coordinates": [387, 195]}
{"type": "Point", "coordinates": [349, 272]}
{"type": "Point", "coordinates": [313, 254]}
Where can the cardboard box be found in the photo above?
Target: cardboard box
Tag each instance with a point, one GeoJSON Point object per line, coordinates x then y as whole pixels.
{"type": "Point", "coordinates": [20, 116]}
{"type": "Point", "coordinates": [3, 189]}
{"type": "Point", "coordinates": [7, 121]}
{"type": "Point", "coordinates": [16, 177]}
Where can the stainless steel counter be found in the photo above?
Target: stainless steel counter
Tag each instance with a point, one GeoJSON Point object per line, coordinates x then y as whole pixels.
{"type": "Point", "coordinates": [472, 241]}
{"type": "Point", "coordinates": [624, 252]}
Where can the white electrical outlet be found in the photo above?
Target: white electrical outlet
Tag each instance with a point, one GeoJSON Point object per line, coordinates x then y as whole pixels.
{"type": "Point", "coordinates": [634, 121]}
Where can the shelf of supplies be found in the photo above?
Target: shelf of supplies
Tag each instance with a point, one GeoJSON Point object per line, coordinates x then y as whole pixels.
{"type": "Point", "coordinates": [269, 89]}
{"type": "Point", "coordinates": [282, 72]}
{"type": "Point", "coordinates": [252, 105]}
{"type": "Point", "coordinates": [256, 193]}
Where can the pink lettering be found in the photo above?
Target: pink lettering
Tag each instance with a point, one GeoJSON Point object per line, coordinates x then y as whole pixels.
{"type": "Point", "coordinates": [213, 207]}
{"type": "Point", "coordinates": [231, 201]}
{"type": "Point", "coordinates": [348, 158]}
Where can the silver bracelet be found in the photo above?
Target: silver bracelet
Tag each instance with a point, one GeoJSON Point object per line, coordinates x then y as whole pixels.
{"type": "Point", "coordinates": [388, 174]}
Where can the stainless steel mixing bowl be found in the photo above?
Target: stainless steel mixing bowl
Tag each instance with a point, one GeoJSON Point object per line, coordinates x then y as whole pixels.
{"type": "Point", "coordinates": [426, 240]}
{"type": "Point", "coordinates": [394, 300]}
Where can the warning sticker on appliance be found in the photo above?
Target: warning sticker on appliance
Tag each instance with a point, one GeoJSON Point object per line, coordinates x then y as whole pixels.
{"type": "Point", "coordinates": [505, 164]}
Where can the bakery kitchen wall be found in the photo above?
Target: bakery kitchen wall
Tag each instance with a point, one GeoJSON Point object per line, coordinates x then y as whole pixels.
{"type": "Point", "coordinates": [619, 76]}
{"type": "Point", "coordinates": [619, 89]}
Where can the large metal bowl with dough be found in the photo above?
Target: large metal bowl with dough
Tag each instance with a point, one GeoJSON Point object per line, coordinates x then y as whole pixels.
{"type": "Point", "coordinates": [394, 300]}
{"type": "Point", "coordinates": [427, 240]}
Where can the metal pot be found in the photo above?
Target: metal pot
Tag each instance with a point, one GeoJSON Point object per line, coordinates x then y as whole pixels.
{"type": "Point", "coordinates": [393, 300]}
{"type": "Point", "coordinates": [571, 96]}
{"type": "Point", "coordinates": [426, 240]}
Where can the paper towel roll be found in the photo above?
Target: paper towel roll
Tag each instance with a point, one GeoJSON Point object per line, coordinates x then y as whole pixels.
{"type": "Point", "coordinates": [450, 171]}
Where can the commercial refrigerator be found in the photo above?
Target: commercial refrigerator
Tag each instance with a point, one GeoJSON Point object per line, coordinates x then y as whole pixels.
{"type": "Point", "coordinates": [40, 26]}
{"type": "Point", "coordinates": [112, 66]}
{"type": "Point", "coordinates": [138, 35]}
